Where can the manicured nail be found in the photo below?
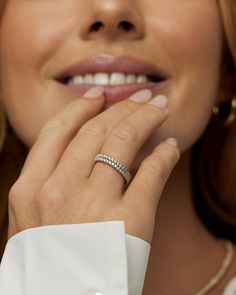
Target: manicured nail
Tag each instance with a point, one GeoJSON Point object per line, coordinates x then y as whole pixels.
{"type": "Point", "coordinates": [172, 141]}
{"type": "Point", "coordinates": [159, 101]}
{"type": "Point", "coordinates": [141, 96]}
{"type": "Point", "coordinates": [94, 92]}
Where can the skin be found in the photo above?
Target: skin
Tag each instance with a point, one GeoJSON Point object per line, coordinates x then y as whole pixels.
{"type": "Point", "coordinates": [193, 87]}
{"type": "Point", "coordinates": [174, 37]}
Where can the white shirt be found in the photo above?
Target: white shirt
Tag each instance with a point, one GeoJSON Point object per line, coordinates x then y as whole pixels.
{"type": "Point", "coordinates": [76, 259]}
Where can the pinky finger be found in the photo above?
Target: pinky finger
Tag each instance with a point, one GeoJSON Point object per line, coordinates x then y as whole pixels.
{"type": "Point", "coordinates": [146, 188]}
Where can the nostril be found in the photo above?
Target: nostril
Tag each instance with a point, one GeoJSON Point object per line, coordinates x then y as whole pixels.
{"type": "Point", "coordinates": [127, 26]}
{"type": "Point", "coordinates": [96, 26]}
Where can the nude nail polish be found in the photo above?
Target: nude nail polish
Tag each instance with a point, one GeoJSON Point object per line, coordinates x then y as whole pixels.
{"type": "Point", "coordinates": [159, 101]}
{"type": "Point", "coordinates": [94, 92]}
{"type": "Point", "coordinates": [141, 96]}
{"type": "Point", "coordinates": [172, 141]}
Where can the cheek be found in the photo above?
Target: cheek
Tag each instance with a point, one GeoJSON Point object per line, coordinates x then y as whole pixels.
{"type": "Point", "coordinates": [182, 32]}
{"type": "Point", "coordinates": [25, 47]}
{"type": "Point", "coordinates": [194, 47]}
{"type": "Point", "coordinates": [32, 32]}
{"type": "Point", "coordinates": [189, 44]}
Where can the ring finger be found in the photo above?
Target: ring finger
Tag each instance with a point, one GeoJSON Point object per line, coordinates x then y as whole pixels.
{"type": "Point", "coordinates": [127, 138]}
{"type": "Point", "coordinates": [91, 137]}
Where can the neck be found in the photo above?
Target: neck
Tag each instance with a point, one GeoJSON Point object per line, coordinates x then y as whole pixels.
{"type": "Point", "coordinates": [176, 207]}
{"type": "Point", "coordinates": [180, 239]}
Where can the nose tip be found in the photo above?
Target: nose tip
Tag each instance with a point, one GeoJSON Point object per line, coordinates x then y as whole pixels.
{"type": "Point", "coordinates": [112, 19]}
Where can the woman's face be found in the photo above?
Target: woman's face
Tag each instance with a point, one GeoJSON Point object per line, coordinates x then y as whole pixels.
{"type": "Point", "coordinates": [40, 38]}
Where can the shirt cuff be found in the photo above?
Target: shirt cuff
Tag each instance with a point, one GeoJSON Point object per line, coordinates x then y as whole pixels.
{"type": "Point", "coordinates": [86, 259]}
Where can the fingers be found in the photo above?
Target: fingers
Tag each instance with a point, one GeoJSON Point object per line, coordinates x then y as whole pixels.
{"type": "Point", "coordinates": [127, 138]}
{"type": "Point", "coordinates": [144, 192]}
{"type": "Point", "coordinates": [57, 132]}
{"type": "Point", "coordinates": [78, 158]}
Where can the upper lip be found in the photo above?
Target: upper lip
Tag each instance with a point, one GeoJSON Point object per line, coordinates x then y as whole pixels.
{"type": "Point", "coordinates": [110, 64]}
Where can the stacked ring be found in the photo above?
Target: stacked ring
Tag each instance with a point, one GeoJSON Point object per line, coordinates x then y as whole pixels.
{"type": "Point", "coordinates": [115, 164]}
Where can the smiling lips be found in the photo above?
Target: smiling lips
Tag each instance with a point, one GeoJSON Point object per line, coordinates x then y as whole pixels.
{"type": "Point", "coordinates": [120, 76]}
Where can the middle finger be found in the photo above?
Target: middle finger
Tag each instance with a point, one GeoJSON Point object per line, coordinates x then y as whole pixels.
{"type": "Point", "coordinates": [127, 138]}
{"type": "Point", "coordinates": [77, 160]}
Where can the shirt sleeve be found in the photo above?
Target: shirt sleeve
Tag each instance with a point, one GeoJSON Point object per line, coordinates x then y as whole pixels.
{"type": "Point", "coordinates": [231, 288]}
{"type": "Point", "coordinates": [74, 259]}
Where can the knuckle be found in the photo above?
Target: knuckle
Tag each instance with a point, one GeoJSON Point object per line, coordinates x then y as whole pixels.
{"type": "Point", "coordinates": [165, 166]}
{"type": "Point", "coordinates": [126, 133]}
{"type": "Point", "coordinates": [93, 128]}
{"type": "Point", "coordinates": [84, 105]}
{"type": "Point", "coordinates": [155, 115]}
{"type": "Point", "coordinates": [52, 125]}
{"type": "Point", "coordinates": [49, 194]}
{"type": "Point", "coordinates": [13, 194]}
{"type": "Point", "coordinates": [154, 112]}
{"type": "Point", "coordinates": [159, 165]}
{"type": "Point", "coordinates": [17, 192]}
{"type": "Point", "coordinates": [146, 181]}
{"type": "Point", "coordinates": [126, 106]}
{"type": "Point", "coordinates": [173, 154]}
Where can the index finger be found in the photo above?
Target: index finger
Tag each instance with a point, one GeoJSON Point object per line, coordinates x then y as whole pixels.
{"type": "Point", "coordinates": [55, 135]}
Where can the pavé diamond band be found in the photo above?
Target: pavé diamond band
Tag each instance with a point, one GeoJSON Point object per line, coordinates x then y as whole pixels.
{"type": "Point", "coordinates": [115, 164]}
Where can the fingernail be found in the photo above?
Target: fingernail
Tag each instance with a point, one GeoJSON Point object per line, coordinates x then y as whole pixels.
{"type": "Point", "coordinates": [172, 141]}
{"type": "Point", "coordinates": [141, 96]}
{"type": "Point", "coordinates": [94, 92]}
{"type": "Point", "coordinates": [159, 101]}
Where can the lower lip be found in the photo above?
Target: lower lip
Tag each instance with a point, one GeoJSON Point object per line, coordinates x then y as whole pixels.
{"type": "Point", "coordinates": [119, 92]}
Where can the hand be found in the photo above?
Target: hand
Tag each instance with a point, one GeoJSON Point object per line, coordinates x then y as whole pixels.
{"type": "Point", "coordinates": [59, 183]}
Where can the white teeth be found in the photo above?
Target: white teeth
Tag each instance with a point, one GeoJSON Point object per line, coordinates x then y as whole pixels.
{"type": "Point", "coordinates": [78, 80]}
{"type": "Point", "coordinates": [108, 79]}
{"type": "Point", "coordinates": [88, 79]}
{"type": "Point", "coordinates": [101, 79]}
{"type": "Point", "coordinates": [131, 79]}
{"type": "Point", "coordinates": [142, 79]}
{"type": "Point", "coordinates": [117, 79]}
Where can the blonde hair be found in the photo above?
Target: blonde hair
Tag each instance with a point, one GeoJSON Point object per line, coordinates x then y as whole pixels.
{"type": "Point", "coordinates": [13, 152]}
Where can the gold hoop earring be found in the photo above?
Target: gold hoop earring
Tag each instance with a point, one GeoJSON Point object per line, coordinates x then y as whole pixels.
{"type": "Point", "coordinates": [225, 112]}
